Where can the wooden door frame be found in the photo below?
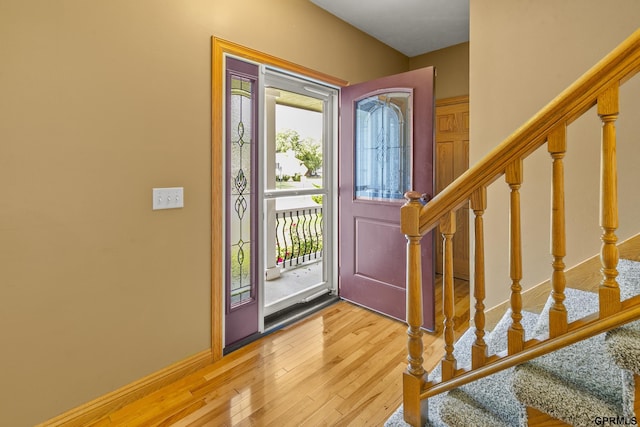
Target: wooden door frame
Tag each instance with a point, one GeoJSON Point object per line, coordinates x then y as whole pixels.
{"type": "Point", "coordinates": [220, 48]}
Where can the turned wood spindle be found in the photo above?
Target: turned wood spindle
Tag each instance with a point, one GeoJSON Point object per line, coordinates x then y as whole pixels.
{"type": "Point", "coordinates": [448, 229]}
{"type": "Point", "coordinates": [479, 347]}
{"type": "Point", "coordinates": [609, 291]}
{"type": "Point", "coordinates": [513, 177]}
{"type": "Point", "coordinates": [557, 147]}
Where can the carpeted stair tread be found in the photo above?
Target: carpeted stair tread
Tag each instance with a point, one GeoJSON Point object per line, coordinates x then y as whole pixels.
{"type": "Point", "coordinates": [574, 384]}
{"type": "Point", "coordinates": [623, 343]}
{"type": "Point", "coordinates": [578, 304]}
{"type": "Point", "coordinates": [488, 401]}
{"type": "Point", "coordinates": [460, 409]}
{"type": "Point", "coordinates": [571, 385]}
{"type": "Point", "coordinates": [628, 278]}
{"type": "Point", "coordinates": [623, 346]}
{"type": "Point", "coordinates": [538, 388]}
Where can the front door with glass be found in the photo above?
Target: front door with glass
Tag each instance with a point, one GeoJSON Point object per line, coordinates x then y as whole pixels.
{"type": "Point", "coordinates": [386, 149]}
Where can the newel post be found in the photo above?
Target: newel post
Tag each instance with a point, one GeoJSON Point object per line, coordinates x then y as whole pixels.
{"type": "Point", "coordinates": [415, 410]}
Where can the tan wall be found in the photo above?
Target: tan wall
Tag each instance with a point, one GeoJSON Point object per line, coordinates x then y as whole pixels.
{"type": "Point", "coordinates": [522, 55]}
{"type": "Point", "coordinates": [452, 67]}
{"type": "Point", "coordinates": [305, 34]}
{"type": "Point", "coordinates": [101, 101]}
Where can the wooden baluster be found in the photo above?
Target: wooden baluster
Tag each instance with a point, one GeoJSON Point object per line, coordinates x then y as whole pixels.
{"type": "Point", "coordinates": [557, 147]}
{"type": "Point", "coordinates": [513, 176]}
{"type": "Point", "coordinates": [448, 229]}
{"type": "Point", "coordinates": [479, 348]}
{"type": "Point", "coordinates": [415, 409]}
{"type": "Point", "coordinates": [609, 290]}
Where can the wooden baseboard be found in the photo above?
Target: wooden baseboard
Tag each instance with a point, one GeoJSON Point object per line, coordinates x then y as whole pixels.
{"type": "Point", "coordinates": [97, 408]}
{"type": "Point", "coordinates": [630, 248]}
{"type": "Point", "coordinates": [584, 276]}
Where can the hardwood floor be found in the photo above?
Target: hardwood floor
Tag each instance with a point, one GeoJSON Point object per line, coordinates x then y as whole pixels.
{"type": "Point", "coordinates": [341, 366]}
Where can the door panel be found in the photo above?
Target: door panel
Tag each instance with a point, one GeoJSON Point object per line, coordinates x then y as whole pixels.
{"type": "Point", "coordinates": [452, 153]}
{"type": "Point", "coordinates": [386, 149]}
{"type": "Point", "coordinates": [368, 268]}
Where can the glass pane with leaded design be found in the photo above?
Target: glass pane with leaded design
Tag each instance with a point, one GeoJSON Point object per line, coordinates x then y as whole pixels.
{"type": "Point", "coordinates": [240, 152]}
{"type": "Point", "coordinates": [383, 146]}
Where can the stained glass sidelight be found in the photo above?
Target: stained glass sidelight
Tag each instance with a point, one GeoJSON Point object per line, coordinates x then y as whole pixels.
{"type": "Point", "coordinates": [240, 152]}
{"type": "Point", "coordinates": [383, 146]}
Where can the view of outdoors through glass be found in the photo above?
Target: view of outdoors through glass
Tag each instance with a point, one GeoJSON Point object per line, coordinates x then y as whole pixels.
{"type": "Point", "coordinates": [296, 241]}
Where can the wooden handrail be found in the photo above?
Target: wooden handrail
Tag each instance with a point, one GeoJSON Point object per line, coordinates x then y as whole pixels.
{"type": "Point", "coordinates": [618, 66]}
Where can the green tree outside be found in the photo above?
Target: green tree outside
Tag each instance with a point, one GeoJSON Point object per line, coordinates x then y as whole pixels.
{"type": "Point", "coordinates": [308, 150]}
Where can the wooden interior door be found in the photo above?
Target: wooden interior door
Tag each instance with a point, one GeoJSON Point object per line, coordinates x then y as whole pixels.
{"type": "Point", "coordinates": [452, 159]}
{"type": "Point", "coordinates": [386, 149]}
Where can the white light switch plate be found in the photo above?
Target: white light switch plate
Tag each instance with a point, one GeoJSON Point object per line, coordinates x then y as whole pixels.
{"type": "Point", "coordinates": [168, 198]}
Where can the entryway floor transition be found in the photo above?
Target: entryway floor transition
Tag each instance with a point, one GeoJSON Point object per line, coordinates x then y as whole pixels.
{"type": "Point", "coordinates": [292, 281]}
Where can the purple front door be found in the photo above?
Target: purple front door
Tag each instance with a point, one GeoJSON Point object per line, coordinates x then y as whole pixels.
{"type": "Point", "coordinates": [386, 149]}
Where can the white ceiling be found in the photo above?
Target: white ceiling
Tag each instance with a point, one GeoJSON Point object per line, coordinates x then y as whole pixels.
{"type": "Point", "coordinates": [412, 27]}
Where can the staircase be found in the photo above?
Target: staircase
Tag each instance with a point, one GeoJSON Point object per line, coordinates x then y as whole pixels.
{"type": "Point", "coordinates": [574, 363]}
{"type": "Point", "coordinates": [579, 385]}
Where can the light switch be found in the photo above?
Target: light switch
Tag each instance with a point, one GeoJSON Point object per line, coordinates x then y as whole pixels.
{"type": "Point", "coordinates": [168, 198]}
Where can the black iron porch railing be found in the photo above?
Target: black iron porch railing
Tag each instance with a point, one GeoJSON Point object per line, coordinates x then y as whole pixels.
{"type": "Point", "coordinates": [298, 236]}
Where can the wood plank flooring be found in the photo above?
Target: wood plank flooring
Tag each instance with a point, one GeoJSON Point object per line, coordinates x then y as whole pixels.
{"type": "Point", "coordinates": [341, 366]}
